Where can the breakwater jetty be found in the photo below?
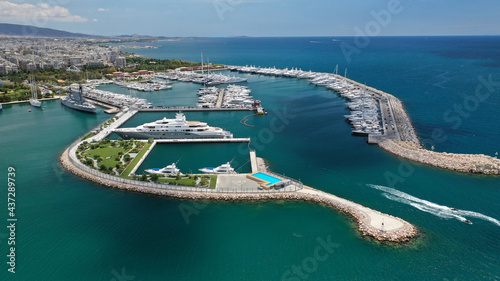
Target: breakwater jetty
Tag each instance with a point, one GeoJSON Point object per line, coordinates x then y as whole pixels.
{"type": "Point", "coordinates": [463, 163]}
{"type": "Point", "coordinates": [396, 133]}
{"type": "Point", "coordinates": [370, 223]}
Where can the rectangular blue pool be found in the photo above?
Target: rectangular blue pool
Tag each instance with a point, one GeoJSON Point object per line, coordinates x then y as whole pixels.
{"type": "Point", "coordinates": [272, 180]}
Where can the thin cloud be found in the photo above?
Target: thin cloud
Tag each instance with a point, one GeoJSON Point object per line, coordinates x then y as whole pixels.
{"type": "Point", "coordinates": [38, 12]}
{"type": "Point", "coordinates": [102, 10]}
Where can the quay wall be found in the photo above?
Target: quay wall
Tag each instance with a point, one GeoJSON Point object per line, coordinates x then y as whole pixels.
{"type": "Point", "coordinates": [402, 121]}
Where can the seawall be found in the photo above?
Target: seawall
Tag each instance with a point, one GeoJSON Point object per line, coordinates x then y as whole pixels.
{"type": "Point", "coordinates": [463, 163]}
{"type": "Point", "coordinates": [370, 223]}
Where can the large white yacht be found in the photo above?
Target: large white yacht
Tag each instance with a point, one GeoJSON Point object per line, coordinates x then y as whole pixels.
{"type": "Point", "coordinates": [177, 128]}
{"type": "Point", "coordinates": [168, 170]}
{"type": "Point", "coordinates": [222, 169]}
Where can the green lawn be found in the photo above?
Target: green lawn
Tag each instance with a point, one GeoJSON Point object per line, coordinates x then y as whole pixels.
{"type": "Point", "coordinates": [134, 162]}
{"type": "Point", "coordinates": [105, 152]}
{"type": "Point", "coordinates": [188, 182]}
{"type": "Point", "coordinates": [213, 181]}
{"type": "Point", "coordinates": [110, 162]}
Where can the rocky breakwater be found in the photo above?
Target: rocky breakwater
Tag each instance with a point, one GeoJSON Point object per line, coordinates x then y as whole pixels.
{"type": "Point", "coordinates": [370, 223]}
{"type": "Point", "coordinates": [463, 163]}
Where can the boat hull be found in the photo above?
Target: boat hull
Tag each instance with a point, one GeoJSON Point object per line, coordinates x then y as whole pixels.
{"type": "Point", "coordinates": [79, 108]}
{"type": "Point", "coordinates": [35, 103]}
{"type": "Point", "coordinates": [166, 135]}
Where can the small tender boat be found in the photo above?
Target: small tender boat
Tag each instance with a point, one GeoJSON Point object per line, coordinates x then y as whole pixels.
{"type": "Point", "coordinates": [222, 169]}
{"type": "Point", "coordinates": [468, 221]}
{"type": "Point", "coordinates": [168, 170]}
{"type": "Point", "coordinates": [454, 209]}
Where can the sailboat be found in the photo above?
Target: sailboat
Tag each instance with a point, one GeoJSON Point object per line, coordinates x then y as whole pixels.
{"type": "Point", "coordinates": [34, 101]}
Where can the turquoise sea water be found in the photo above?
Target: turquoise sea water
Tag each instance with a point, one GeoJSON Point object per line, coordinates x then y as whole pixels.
{"type": "Point", "coordinates": [71, 229]}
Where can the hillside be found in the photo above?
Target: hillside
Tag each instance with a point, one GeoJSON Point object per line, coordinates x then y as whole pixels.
{"type": "Point", "coordinates": [32, 31]}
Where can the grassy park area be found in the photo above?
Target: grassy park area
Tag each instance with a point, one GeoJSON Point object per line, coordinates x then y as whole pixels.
{"type": "Point", "coordinates": [119, 157]}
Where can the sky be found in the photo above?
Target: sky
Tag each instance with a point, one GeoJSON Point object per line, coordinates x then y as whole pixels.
{"type": "Point", "coordinates": [221, 18]}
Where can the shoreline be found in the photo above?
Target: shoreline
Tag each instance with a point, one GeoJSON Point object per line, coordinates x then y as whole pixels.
{"type": "Point", "coordinates": [396, 230]}
{"type": "Point", "coordinates": [27, 101]}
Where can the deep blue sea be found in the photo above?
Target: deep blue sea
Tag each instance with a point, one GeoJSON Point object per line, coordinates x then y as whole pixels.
{"type": "Point", "coordinates": [71, 229]}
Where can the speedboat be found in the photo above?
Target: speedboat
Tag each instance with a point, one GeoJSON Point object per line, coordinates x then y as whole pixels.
{"type": "Point", "coordinates": [168, 170]}
{"type": "Point", "coordinates": [222, 169]}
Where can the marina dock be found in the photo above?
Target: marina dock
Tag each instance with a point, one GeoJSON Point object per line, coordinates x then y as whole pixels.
{"type": "Point", "coordinates": [253, 161]}
{"type": "Point", "coordinates": [233, 140]}
{"type": "Point", "coordinates": [122, 117]}
{"type": "Point", "coordinates": [220, 98]}
{"type": "Point", "coordinates": [110, 109]}
{"type": "Point", "coordinates": [192, 109]}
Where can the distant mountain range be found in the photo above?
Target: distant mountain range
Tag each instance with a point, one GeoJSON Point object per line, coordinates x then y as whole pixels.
{"type": "Point", "coordinates": [33, 31]}
{"type": "Point", "coordinates": [7, 29]}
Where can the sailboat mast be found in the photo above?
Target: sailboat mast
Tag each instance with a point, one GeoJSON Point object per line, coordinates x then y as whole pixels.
{"type": "Point", "coordinates": [202, 63]}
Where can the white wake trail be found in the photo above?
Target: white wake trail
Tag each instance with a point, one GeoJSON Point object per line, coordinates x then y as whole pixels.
{"type": "Point", "coordinates": [430, 207]}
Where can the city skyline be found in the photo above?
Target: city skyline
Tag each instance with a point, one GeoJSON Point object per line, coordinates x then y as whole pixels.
{"type": "Point", "coordinates": [221, 18]}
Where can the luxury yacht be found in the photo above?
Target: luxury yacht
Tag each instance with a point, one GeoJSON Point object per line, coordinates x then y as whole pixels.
{"type": "Point", "coordinates": [222, 169]}
{"type": "Point", "coordinates": [177, 128]}
{"type": "Point", "coordinates": [168, 170]}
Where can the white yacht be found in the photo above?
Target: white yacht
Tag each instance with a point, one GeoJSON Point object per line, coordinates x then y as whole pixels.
{"type": "Point", "coordinates": [222, 169]}
{"type": "Point", "coordinates": [75, 100]}
{"type": "Point", "coordinates": [168, 170]}
{"type": "Point", "coordinates": [177, 128]}
{"type": "Point", "coordinates": [34, 101]}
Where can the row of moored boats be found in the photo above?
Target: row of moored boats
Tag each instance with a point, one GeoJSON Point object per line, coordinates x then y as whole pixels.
{"type": "Point", "coordinates": [172, 170]}
{"type": "Point", "coordinates": [209, 79]}
{"type": "Point", "coordinates": [365, 115]}
{"type": "Point", "coordinates": [147, 86]}
{"type": "Point", "coordinates": [235, 96]}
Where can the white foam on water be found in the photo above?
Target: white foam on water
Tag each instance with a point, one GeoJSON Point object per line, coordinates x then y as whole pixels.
{"type": "Point", "coordinates": [430, 207]}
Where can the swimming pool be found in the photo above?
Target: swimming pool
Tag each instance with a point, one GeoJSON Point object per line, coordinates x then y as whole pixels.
{"type": "Point", "coordinates": [265, 177]}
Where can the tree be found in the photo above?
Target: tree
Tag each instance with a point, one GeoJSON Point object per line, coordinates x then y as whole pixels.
{"type": "Point", "coordinates": [154, 177]}
{"type": "Point", "coordinates": [144, 177]}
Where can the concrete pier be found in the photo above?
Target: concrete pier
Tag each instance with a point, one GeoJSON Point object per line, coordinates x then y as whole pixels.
{"type": "Point", "coordinates": [122, 118]}
{"type": "Point", "coordinates": [234, 140]}
{"type": "Point", "coordinates": [253, 161]}
{"type": "Point", "coordinates": [110, 109]}
{"type": "Point", "coordinates": [192, 109]}
{"type": "Point", "coordinates": [220, 98]}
